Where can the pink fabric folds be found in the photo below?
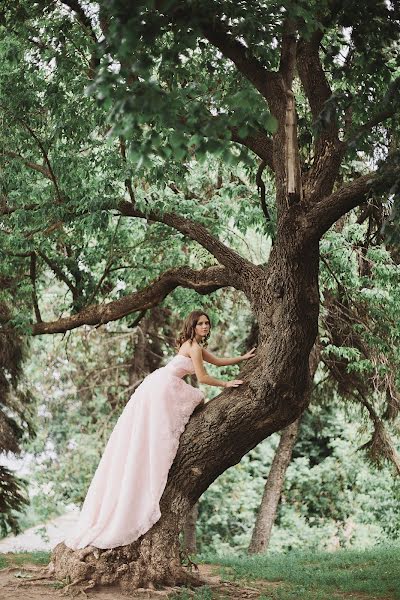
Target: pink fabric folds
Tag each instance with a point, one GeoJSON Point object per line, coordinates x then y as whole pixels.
{"type": "Point", "coordinates": [122, 501]}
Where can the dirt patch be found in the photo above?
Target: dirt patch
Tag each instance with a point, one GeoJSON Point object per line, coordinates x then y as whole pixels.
{"type": "Point", "coordinates": [19, 583]}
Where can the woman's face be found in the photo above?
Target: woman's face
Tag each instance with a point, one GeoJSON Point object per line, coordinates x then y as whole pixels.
{"type": "Point", "coordinates": [202, 326]}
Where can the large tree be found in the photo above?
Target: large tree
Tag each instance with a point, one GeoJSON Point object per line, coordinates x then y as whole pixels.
{"type": "Point", "coordinates": [306, 91]}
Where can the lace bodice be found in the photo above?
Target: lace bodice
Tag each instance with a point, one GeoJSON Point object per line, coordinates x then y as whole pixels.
{"type": "Point", "coordinates": [180, 365]}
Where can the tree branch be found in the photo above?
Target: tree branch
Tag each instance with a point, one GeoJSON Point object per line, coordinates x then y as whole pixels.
{"type": "Point", "coordinates": [204, 282]}
{"type": "Point", "coordinates": [328, 149]}
{"type": "Point", "coordinates": [258, 142]}
{"type": "Point", "coordinates": [59, 273]}
{"type": "Point", "coordinates": [380, 445]}
{"type": "Point", "coordinates": [388, 109]}
{"type": "Point", "coordinates": [28, 163]}
{"type": "Point", "coordinates": [128, 183]}
{"type": "Point", "coordinates": [311, 74]}
{"type": "Point", "coordinates": [32, 273]}
{"type": "Point", "coordinates": [45, 157]}
{"type": "Point", "coordinates": [261, 188]}
{"type": "Point", "coordinates": [8, 210]}
{"type": "Point", "coordinates": [82, 17]}
{"type": "Point", "coordinates": [324, 214]}
{"type": "Point", "coordinates": [251, 68]}
{"type": "Point", "coordinates": [197, 232]}
{"type": "Point", "coordinates": [288, 52]}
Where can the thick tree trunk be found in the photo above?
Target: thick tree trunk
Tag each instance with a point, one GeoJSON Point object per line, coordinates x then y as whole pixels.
{"type": "Point", "coordinates": [150, 562]}
{"type": "Point", "coordinates": [273, 489]}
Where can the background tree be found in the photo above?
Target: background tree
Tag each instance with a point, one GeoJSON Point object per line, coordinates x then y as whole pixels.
{"type": "Point", "coordinates": [16, 419]}
{"type": "Point", "coordinates": [289, 83]}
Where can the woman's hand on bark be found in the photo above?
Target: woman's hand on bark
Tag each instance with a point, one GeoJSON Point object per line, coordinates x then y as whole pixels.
{"type": "Point", "coordinates": [249, 354]}
{"type": "Point", "coordinates": [233, 383]}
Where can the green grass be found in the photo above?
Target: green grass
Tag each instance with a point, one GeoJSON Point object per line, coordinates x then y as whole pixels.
{"type": "Point", "coordinates": [20, 558]}
{"type": "Point", "coordinates": [322, 575]}
{"type": "Point", "coordinates": [373, 574]}
{"type": "Point", "coordinates": [203, 593]}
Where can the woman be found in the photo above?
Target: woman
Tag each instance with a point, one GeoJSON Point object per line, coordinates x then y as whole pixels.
{"type": "Point", "coordinates": [122, 502]}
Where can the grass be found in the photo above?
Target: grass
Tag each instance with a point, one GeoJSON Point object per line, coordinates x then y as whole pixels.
{"type": "Point", "coordinates": [20, 558]}
{"type": "Point", "coordinates": [341, 575]}
{"type": "Point", "coordinates": [320, 575]}
{"type": "Point", "coordinates": [203, 593]}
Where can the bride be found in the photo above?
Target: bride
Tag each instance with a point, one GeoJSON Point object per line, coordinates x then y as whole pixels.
{"type": "Point", "coordinates": [122, 502]}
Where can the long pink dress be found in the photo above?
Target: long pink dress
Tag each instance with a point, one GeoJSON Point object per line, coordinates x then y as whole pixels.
{"type": "Point", "coordinates": [122, 502]}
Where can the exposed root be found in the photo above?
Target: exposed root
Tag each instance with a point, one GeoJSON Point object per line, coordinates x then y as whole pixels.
{"type": "Point", "coordinates": [190, 579]}
{"type": "Point", "coordinates": [10, 569]}
{"type": "Point", "coordinates": [81, 554]}
{"type": "Point", "coordinates": [74, 589]}
{"type": "Point", "coordinates": [126, 567]}
{"type": "Point", "coordinates": [187, 561]}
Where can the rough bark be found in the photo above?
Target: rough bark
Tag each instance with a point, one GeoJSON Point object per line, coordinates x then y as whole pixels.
{"type": "Point", "coordinates": [273, 490]}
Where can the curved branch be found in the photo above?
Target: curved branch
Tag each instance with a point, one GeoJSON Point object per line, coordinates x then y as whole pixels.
{"type": "Point", "coordinates": [28, 163]}
{"type": "Point", "coordinates": [59, 273]}
{"type": "Point", "coordinates": [388, 109]}
{"type": "Point", "coordinates": [324, 214]}
{"type": "Point", "coordinates": [45, 157]}
{"type": "Point", "coordinates": [380, 445]}
{"type": "Point", "coordinates": [197, 232]}
{"type": "Point", "coordinates": [328, 149]}
{"type": "Point", "coordinates": [251, 68]}
{"type": "Point", "coordinates": [204, 282]}
{"type": "Point", "coordinates": [261, 188]}
{"type": "Point", "coordinates": [258, 142]}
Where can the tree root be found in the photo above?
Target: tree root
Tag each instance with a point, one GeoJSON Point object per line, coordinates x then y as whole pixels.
{"type": "Point", "coordinates": [74, 589]}
{"type": "Point", "coordinates": [186, 561]}
{"type": "Point", "coordinates": [88, 550]}
{"type": "Point", "coordinates": [92, 567]}
{"type": "Point", "coordinates": [190, 579]}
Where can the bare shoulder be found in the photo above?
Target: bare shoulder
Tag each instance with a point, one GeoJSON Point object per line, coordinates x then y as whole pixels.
{"type": "Point", "coordinates": [195, 350]}
{"type": "Point", "coordinates": [185, 348]}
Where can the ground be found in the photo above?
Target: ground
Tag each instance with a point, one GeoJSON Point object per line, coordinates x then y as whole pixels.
{"type": "Point", "coordinates": [16, 584]}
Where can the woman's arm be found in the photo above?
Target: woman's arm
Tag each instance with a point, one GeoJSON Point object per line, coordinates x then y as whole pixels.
{"type": "Point", "coordinates": [202, 376]}
{"type": "Point", "coordinates": [222, 362]}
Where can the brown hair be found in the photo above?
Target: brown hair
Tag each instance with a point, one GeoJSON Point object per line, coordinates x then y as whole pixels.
{"type": "Point", "coordinates": [189, 328]}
